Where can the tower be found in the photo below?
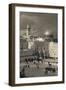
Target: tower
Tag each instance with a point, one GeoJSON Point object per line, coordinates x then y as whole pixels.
{"type": "Point", "coordinates": [28, 30]}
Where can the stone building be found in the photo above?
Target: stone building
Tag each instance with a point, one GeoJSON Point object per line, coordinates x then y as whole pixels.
{"type": "Point", "coordinates": [29, 43]}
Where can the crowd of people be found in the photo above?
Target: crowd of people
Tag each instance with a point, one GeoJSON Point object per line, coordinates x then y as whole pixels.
{"type": "Point", "coordinates": [38, 55]}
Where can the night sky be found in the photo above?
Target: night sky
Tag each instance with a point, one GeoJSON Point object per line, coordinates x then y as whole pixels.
{"type": "Point", "coordinates": [39, 22]}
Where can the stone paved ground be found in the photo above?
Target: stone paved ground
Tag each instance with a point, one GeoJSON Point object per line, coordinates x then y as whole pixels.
{"type": "Point", "coordinates": [35, 69]}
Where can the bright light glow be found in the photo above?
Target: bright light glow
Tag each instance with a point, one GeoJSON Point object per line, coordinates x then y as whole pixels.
{"type": "Point", "coordinates": [40, 39]}
{"type": "Point", "coordinates": [47, 33]}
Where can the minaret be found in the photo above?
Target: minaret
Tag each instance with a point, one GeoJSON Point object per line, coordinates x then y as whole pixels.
{"type": "Point", "coordinates": [28, 30]}
{"type": "Point", "coordinates": [28, 35]}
